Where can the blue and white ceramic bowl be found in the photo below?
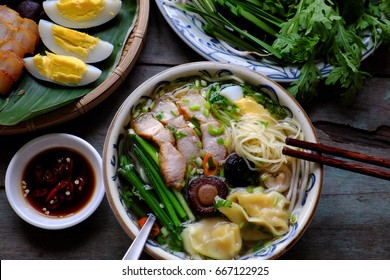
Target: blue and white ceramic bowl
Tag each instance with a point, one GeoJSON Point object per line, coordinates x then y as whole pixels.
{"type": "Point", "coordinates": [118, 129]}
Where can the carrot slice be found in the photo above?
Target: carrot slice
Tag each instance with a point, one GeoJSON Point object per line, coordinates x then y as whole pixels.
{"type": "Point", "coordinates": [206, 166]}
{"type": "Point", "coordinates": [155, 229]}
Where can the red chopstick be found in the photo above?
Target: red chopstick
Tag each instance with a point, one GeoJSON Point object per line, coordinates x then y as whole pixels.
{"type": "Point", "coordinates": [350, 166]}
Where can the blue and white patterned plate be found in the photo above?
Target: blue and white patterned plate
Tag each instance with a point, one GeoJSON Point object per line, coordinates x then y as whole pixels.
{"type": "Point", "coordinates": [189, 29]}
{"type": "Point", "coordinates": [118, 130]}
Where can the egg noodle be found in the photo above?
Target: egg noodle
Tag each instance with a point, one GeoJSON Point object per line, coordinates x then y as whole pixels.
{"type": "Point", "coordinates": [259, 139]}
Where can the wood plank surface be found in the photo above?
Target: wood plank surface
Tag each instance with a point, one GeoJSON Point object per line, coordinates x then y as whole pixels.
{"type": "Point", "coordinates": [352, 218]}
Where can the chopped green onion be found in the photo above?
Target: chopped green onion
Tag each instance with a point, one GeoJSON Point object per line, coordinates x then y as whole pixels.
{"type": "Point", "coordinates": [216, 131]}
{"type": "Point", "coordinates": [179, 135]}
{"type": "Point", "coordinates": [194, 107]}
{"type": "Point", "coordinates": [160, 115]}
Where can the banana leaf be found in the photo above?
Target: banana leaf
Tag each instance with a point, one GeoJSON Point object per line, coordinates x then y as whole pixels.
{"type": "Point", "coordinates": [31, 97]}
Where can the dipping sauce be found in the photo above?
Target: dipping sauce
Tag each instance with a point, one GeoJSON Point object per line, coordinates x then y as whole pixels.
{"type": "Point", "coordinates": [58, 182]}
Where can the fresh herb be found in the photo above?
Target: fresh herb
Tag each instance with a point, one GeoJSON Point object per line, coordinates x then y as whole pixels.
{"type": "Point", "coordinates": [299, 33]}
{"type": "Point", "coordinates": [169, 205]}
{"type": "Point", "coordinates": [128, 172]}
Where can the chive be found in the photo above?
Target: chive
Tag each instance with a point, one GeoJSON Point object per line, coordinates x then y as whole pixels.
{"type": "Point", "coordinates": [127, 171]}
{"type": "Point", "coordinates": [147, 148]}
{"type": "Point", "coordinates": [214, 110]}
{"type": "Point", "coordinates": [183, 202]}
{"type": "Point", "coordinates": [158, 183]}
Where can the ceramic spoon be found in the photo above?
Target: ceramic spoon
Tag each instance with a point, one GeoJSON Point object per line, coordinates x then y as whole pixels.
{"type": "Point", "coordinates": [138, 244]}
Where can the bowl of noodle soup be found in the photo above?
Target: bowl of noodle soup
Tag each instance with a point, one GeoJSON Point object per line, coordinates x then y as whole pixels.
{"type": "Point", "coordinates": [213, 133]}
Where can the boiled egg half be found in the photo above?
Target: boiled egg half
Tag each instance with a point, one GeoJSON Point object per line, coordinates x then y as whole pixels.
{"type": "Point", "coordinates": [81, 13]}
{"type": "Point", "coordinates": [61, 69]}
{"type": "Point", "coordinates": [65, 41]}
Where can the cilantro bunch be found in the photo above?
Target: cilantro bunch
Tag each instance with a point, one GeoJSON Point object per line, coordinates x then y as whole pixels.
{"type": "Point", "coordinates": [300, 33]}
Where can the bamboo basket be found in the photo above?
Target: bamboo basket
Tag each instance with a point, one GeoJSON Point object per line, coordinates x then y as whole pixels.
{"type": "Point", "coordinates": [128, 59]}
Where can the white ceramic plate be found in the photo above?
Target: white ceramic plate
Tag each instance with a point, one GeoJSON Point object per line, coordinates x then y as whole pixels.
{"type": "Point", "coordinates": [189, 29]}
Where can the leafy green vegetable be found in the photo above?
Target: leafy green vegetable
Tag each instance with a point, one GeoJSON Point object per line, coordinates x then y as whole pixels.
{"type": "Point", "coordinates": [300, 33]}
{"type": "Point", "coordinates": [220, 16]}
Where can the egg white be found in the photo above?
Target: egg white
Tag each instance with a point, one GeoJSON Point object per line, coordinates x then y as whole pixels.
{"type": "Point", "coordinates": [91, 75]}
{"type": "Point", "coordinates": [110, 10]}
{"type": "Point", "coordinates": [102, 50]}
{"type": "Point", "coordinates": [232, 93]}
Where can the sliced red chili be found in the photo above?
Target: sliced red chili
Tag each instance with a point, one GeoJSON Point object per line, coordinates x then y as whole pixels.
{"type": "Point", "coordinates": [55, 201]}
{"type": "Point", "coordinates": [206, 166]}
{"type": "Point", "coordinates": [59, 187]}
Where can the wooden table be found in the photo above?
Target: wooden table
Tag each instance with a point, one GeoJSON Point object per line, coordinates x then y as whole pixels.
{"type": "Point", "coordinates": [352, 220]}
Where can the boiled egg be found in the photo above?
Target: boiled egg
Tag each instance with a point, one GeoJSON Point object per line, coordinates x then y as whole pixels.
{"type": "Point", "coordinates": [61, 69]}
{"type": "Point", "coordinates": [232, 93]}
{"type": "Point", "coordinates": [65, 41]}
{"type": "Point", "coordinates": [248, 105]}
{"type": "Point", "coordinates": [81, 13]}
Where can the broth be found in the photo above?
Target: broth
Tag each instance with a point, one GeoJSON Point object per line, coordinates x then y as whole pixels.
{"type": "Point", "coordinates": [58, 182]}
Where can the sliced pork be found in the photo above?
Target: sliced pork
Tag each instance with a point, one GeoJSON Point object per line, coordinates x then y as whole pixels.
{"type": "Point", "coordinates": [18, 36]}
{"type": "Point", "coordinates": [177, 123]}
{"type": "Point", "coordinates": [213, 144]}
{"type": "Point", "coordinates": [11, 67]}
{"type": "Point", "coordinates": [12, 46]}
{"type": "Point", "coordinates": [188, 143]}
{"type": "Point", "coordinates": [192, 105]}
{"type": "Point", "coordinates": [172, 165]}
{"type": "Point", "coordinates": [147, 126]}
{"type": "Point", "coordinates": [165, 109]}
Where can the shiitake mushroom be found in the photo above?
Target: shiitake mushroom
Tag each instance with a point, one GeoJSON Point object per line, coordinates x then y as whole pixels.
{"type": "Point", "coordinates": [30, 9]}
{"type": "Point", "coordinates": [237, 172]}
{"type": "Point", "coordinates": [202, 192]}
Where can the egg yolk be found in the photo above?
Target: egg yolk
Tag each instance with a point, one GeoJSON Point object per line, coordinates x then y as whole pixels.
{"type": "Point", "coordinates": [74, 41]}
{"type": "Point", "coordinates": [248, 105]}
{"type": "Point", "coordinates": [80, 10]}
{"type": "Point", "coordinates": [60, 68]}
